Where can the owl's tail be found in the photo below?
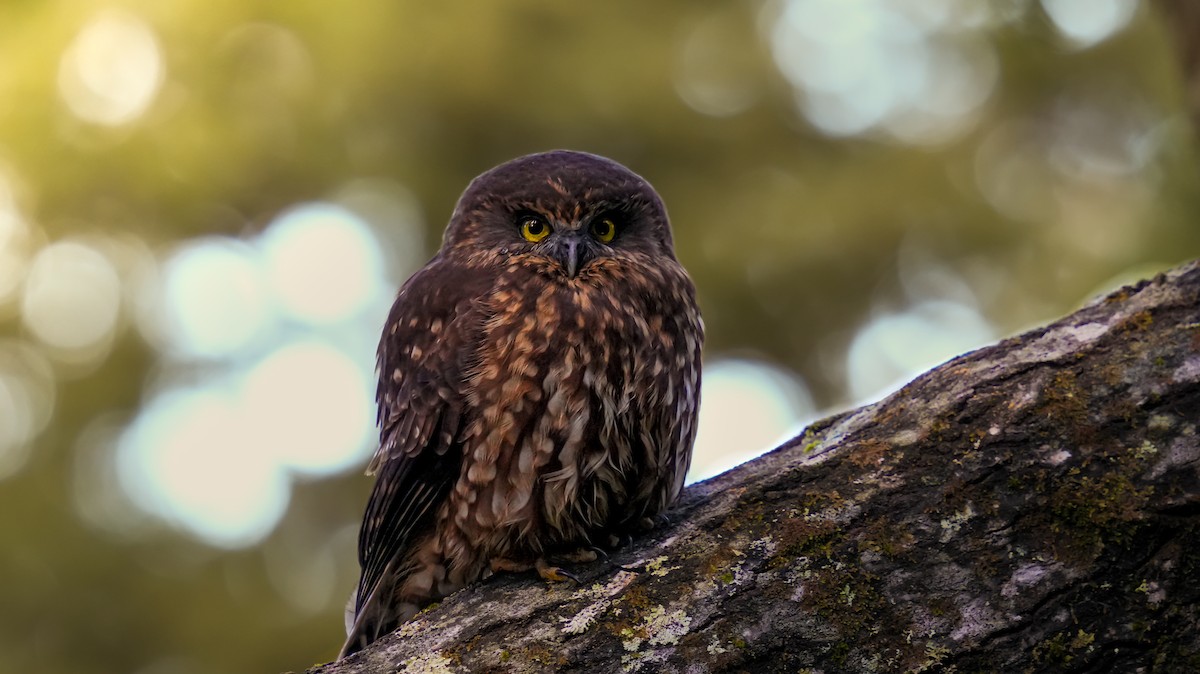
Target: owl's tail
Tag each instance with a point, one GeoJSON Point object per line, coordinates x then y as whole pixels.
{"type": "Point", "coordinates": [358, 633]}
{"type": "Point", "coordinates": [371, 621]}
{"type": "Point", "coordinates": [380, 613]}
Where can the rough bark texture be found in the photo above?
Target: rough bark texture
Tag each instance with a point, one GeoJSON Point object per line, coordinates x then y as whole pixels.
{"type": "Point", "coordinates": [1033, 506]}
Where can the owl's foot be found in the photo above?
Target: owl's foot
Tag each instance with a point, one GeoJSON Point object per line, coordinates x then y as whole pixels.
{"type": "Point", "coordinates": [544, 569]}
{"type": "Point", "coordinates": [615, 542]}
{"type": "Point", "coordinates": [580, 556]}
{"type": "Point", "coordinates": [640, 526]}
{"type": "Point", "coordinates": [659, 520]}
{"type": "Point", "coordinates": [553, 574]}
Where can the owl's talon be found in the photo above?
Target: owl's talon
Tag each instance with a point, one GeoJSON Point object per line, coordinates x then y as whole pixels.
{"type": "Point", "coordinates": [580, 556]}
{"type": "Point", "coordinates": [547, 571]}
{"type": "Point", "coordinates": [553, 574]}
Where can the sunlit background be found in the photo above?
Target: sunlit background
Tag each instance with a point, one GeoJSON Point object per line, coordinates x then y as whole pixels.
{"type": "Point", "coordinates": [206, 209]}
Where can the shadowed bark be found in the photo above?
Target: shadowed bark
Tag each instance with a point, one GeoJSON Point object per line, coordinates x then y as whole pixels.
{"type": "Point", "coordinates": [1033, 506]}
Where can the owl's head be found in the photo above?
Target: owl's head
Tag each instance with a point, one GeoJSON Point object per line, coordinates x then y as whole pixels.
{"type": "Point", "coordinates": [564, 208]}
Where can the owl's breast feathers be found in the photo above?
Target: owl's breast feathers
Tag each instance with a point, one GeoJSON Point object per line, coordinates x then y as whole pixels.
{"type": "Point", "coordinates": [583, 396]}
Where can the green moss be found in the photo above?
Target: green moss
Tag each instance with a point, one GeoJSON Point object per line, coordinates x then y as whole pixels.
{"type": "Point", "coordinates": [719, 564]}
{"type": "Point", "coordinates": [800, 537]}
{"type": "Point", "coordinates": [839, 653]}
{"type": "Point", "coordinates": [545, 655]}
{"type": "Point", "coordinates": [1118, 296]}
{"type": "Point", "coordinates": [846, 597]}
{"type": "Point", "coordinates": [1066, 402]}
{"type": "Point", "coordinates": [869, 454]}
{"type": "Point", "coordinates": [1138, 322]}
{"type": "Point", "coordinates": [1087, 511]}
{"type": "Point", "coordinates": [809, 441]}
{"type": "Point", "coordinates": [887, 538]}
{"type": "Point", "coordinates": [1062, 648]}
{"type": "Point", "coordinates": [636, 599]}
{"type": "Point", "coordinates": [938, 429]}
{"type": "Point", "coordinates": [820, 502]}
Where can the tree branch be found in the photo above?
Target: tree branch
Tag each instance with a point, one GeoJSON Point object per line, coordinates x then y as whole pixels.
{"type": "Point", "coordinates": [1031, 506]}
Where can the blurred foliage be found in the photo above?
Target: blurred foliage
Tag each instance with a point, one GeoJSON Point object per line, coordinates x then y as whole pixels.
{"type": "Point", "coordinates": [794, 237]}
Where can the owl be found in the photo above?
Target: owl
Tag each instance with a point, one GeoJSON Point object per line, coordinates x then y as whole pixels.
{"type": "Point", "coordinates": [539, 381]}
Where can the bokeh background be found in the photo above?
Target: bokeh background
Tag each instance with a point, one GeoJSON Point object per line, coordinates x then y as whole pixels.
{"type": "Point", "coordinates": [206, 208]}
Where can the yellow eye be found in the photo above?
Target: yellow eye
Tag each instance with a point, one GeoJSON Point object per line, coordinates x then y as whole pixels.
{"type": "Point", "coordinates": [604, 229]}
{"type": "Point", "coordinates": [534, 229]}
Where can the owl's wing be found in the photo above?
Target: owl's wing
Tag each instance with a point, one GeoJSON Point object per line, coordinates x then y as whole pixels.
{"type": "Point", "coordinates": [427, 345]}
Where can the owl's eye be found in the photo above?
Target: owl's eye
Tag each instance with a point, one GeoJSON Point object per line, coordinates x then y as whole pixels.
{"type": "Point", "coordinates": [604, 229]}
{"type": "Point", "coordinates": [534, 229]}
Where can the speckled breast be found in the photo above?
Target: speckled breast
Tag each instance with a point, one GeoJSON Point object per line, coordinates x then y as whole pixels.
{"type": "Point", "coordinates": [578, 426]}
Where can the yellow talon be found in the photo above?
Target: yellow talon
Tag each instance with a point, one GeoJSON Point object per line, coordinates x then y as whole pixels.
{"type": "Point", "coordinates": [552, 574]}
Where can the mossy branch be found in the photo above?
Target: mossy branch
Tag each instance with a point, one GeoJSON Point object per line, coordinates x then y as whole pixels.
{"type": "Point", "coordinates": [1032, 506]}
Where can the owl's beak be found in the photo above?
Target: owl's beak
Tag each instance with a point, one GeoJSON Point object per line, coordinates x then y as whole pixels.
{"type": "Point", "coordinates": [574, 250]}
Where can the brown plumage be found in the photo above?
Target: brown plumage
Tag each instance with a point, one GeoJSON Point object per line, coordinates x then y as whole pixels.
{"type": "Point", "coordinates": [539, 381]}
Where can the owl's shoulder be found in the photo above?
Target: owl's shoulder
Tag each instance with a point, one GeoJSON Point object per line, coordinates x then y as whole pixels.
{"type": "Point", "coordinates": [426, 346]}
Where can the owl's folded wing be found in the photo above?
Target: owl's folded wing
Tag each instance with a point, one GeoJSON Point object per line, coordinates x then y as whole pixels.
{"type": "Point", "coordinates": [427, 345]}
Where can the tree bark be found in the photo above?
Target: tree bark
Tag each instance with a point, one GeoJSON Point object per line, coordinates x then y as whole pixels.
{"type": "Point", "coordinates": [1032, 506]}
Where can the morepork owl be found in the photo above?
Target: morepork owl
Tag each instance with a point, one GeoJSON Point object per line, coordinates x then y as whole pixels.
{"type": "Point", "coordinates": [539, 381]}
